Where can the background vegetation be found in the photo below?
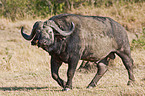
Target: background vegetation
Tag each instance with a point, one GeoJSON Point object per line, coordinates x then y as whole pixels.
{"type": "Point", "coordinates": [25, 69]}
{"type": "Point", "coordinates": [18, 9]}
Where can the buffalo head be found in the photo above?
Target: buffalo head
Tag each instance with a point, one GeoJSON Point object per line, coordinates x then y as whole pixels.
{"type": "Point", "coordinates": [42, 33]}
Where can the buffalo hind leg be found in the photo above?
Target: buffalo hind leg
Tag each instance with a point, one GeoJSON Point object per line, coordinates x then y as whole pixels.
{"type": "Point", "coordinates": [128, 63]}
{"type": "Point", "coordinates": [102, 68]}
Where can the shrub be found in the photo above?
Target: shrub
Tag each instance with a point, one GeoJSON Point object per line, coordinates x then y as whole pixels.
{"type": "Point", "coordinates": [140, 42]}
{"type": "Point", "coordinates": [18, 9]}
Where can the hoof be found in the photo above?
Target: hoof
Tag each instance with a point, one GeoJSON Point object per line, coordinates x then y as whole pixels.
{"type": "Point", "coordinates": [89, 87]}
{"type": "Point", "coordinates": [131, 83]}
{"type": "Point", "coordinates": [66, 89]}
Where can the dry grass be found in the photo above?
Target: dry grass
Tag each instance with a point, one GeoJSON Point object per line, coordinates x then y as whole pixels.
{"type": "Point", "coordinates": [25, 69]}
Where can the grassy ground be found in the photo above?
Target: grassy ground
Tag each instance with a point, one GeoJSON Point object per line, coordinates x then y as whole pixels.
{"type": "Point", "coordinates": [25, 69]}
{"type": "Point", "coordinates": [39, 82]}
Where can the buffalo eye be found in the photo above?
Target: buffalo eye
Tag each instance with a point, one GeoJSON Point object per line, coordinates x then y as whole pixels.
{"type": "Point", "coordinates": [50, 32]}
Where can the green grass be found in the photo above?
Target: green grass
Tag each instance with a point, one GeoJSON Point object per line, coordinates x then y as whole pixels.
{"type": "Point", "coordinates": [139, 42]}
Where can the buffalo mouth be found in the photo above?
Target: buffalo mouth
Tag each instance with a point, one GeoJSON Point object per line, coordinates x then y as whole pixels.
{"type": "Point", "coordinates": [48, 47]}
{"type": "Point", "coordinates": [34, 42]}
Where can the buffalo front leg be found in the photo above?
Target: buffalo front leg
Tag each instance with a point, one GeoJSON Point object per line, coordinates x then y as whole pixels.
{"type": "Point", "coordinates": [55, 65]}
{"type": "Point", "coordinates": [72, 64]}
{"type": "Point", "coordinates": [102, 68]}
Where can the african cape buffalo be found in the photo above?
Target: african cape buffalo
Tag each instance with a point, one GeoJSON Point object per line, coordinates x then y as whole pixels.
{"type": "Point", "coordinates": [69, 38]}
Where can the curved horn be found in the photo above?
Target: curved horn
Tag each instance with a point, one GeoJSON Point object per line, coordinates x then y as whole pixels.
{"type": "Point", "coordinates": [29, 37]}
{"type": "Point", "coordinates": [51, 23]}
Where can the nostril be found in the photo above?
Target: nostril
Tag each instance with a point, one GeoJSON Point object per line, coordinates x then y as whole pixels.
{"type": "Point", "coordinates": [45, 42]}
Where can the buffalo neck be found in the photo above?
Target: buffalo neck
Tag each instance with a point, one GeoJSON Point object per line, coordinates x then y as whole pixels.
{"type": "Point", "coordinates": [58, 47]}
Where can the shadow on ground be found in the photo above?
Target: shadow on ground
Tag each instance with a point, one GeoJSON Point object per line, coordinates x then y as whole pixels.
{"type": "Point", "coordinates": [21, 88]}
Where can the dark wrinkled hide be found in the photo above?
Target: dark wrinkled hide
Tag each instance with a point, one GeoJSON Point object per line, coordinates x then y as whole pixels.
{"type": "Point", "coordinates": [94, 38]}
